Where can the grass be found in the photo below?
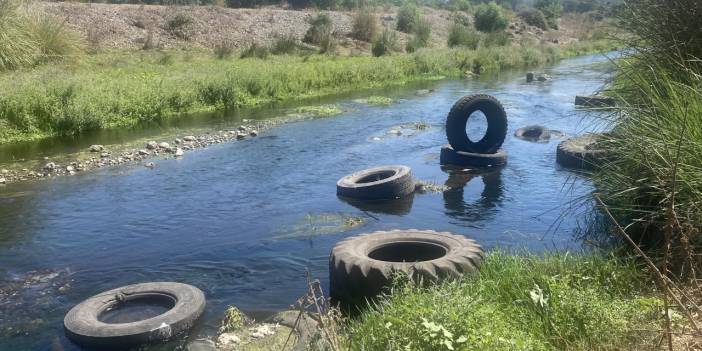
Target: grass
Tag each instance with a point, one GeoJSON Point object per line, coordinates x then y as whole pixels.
{"type": "Point", "coordinates": [122, 89]}
{"type": "Point", "coordinates": [552, 302]}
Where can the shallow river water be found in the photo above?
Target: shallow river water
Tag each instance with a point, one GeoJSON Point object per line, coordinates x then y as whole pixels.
{"type": "Point", "coordinates": [246, 222]}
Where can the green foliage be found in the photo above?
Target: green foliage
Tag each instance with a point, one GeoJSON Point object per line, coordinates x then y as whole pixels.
{"type": "Point", "coordinates": [384, 44]}
{"type": "Point", "coordinates": [556, 302]}
{"type": "Point", "coordinates": [320, 31]}
{"type": "Point", "coordinates": [224, 50]}
{"type": "Point", "coordinates": [285, 45]}
{"type": "Point", "coordinates": [365, 25]}
{"type": "Point", "coordinates": [180, 25]}
{"type": "Point", "coordinates": [255, 50]}
{"type": "Point", "coordinates": [406, 17]}
{"type": "Point", "coordinates": [551, 9]}
{"type": "Point", "coordinates": [490, 18]}
{"type": "Point", "coordinates": [461, 18]}
{"type": "Point", "coordinates": [534, 17]}
{"type": "Point", "coordinates": [30, 37]}
{"type": "Point", "coordinates": [460, 35]}
{"type": "Point", "coordinates": [327, 4]}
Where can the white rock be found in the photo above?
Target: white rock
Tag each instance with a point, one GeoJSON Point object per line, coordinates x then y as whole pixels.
{"type": "Point", "coordinates": [105, 154]}
{"type": "Point", "coordinates": [253, 133]}
{"type": "Point", "coordinates": [189, 138]}
{"type": "Point", "coordinates": [3, 180]}
{"type": "Point", "coordinates": [70, 169]}
{"type": "Point", "coordinates": [96, 148]}
{"type": "Point", "coordinates": [50, 166]}
{"type": "Point", "coordinates": [263, 330]}
{"type": "Point", "coordinates": [240, 136]}
{"type": "Point", "coordinates": [150, 165]}
{"type": "Point", "coordinates": [242, 128]}
{"type": "Point", "coordinates": [143, 152]}
{"type": "Point", "coordinates": [228, 340]}
{"type": "Point", "coordinates": [164, 145]}
{"type": "Point", "coordinates": [4, 171]}
{"type": "Point", "coordinates": [178, 141]}
{"type": "Point", "coordinates": [179, 152]}
{"type": "Point", "coordinates": [152, 145]}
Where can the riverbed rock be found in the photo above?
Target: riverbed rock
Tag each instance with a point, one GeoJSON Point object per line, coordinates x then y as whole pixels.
{"type": "Point", "coordinates": [50, 166]}
{"type": "Point", "coordinates": [149, 165]}
{"type": "Point", "coordinates": [240, 136]}
{"type": "Point", "coordinates": [179, 152]}
{"type": "Point", "coordinates": [253, 133]}
{"type": "Point", "coordinates": [543, 77]}
{"type": "Point", "coordinates": [96, 148]}
{"type": "Point", "coordinates": [143, 152]}
{"type": "Point", "coordinates": [201, 345]}
{"type": "Point", "coordinates": [189, 138]}
{"type": "Point", "coordinates": [177, 141]}
{"type": "Point", "coordinates": [4, 171]}
{"type": "Point", "coordinates": [228, 340]}
{"type": "Point", "coordinates": [242, 128]}
{"type": "Point", "coordinates": [3, 180]}
{"type": "Point", "coordinates": [105, 155]}
{"type": "Point", "coordinates": [70, 169]}
{"type": "Point", "coordinates": [152, 145]}
{"type": "Point", "coordinates": [164, 145]}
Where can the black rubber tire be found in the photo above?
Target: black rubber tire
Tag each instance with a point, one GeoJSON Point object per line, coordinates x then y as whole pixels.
{"type": "Point", "coordinates": [451, 157]}
{"type": "Point", "coordinates": [392, 182]}
{"type": "Point", "coordinates": [355, 277]}
{"type": "Point", "coordinates": [533, 133]}
{"type": "Point", "coordinates": [83, 327]}
{"type": "Point", "coordinates": [595, 101]}
{"type": "Point", "coordinates": [397, 207]}
{"type": "Point", "coordinates": [496, 120]}
{"type": "Point", "coordinates": [580, 152]}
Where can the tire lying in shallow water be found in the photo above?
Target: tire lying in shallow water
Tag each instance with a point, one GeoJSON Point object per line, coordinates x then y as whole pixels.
{"type": "Point", "coordinates": [451, 157]}
{"type": "Point", "coordinates": [362, 266]}
{"type": "Point", "coordinates": [533, 133]}
{"type": "Point", "coordinates": [458, 118]}
{"type": "Point", "coordinates": [581, 152]}
{"type": "Point", "coordinates": [85, 324]}
{"type": "Point", "coordinates": [379, 183]}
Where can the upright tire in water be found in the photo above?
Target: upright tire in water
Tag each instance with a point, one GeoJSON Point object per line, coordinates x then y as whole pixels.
{"type": "Point", "coordinates": [458, 118]}
{"type": "Point", "coordinates": [379, 183]}
{"type": "Point", "coordinates": [85, 326]}
{"type": "Point", "coordinates": [362, 266]}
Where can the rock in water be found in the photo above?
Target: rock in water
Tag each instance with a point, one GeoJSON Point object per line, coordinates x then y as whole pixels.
{"type": "Point", "coordinates": [143, 152]}
{"type": "Point", "coordinates": [150, 165]}
{"type": "Point", "coordinates": [179, 152]}
{"type": "Point", "coordinates": [164, 145]}
{"type": "Point", "coordinates": [50, 166]}
{"type": "Point", "coordinates": [152, 145]}
{"type": "Point", "coordinates": [3, 180]}
{"type": "Point", "coordinates": [189, 138]}
{"type": "Point", "coordinates": [253, 133]}
{"type": "Point", "coordinates": [96, 148]}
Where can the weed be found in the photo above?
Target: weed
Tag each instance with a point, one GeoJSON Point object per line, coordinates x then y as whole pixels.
{"type": "Point", "coordinates": [365, 25]}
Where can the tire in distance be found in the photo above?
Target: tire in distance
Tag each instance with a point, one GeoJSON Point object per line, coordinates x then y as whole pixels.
{"type": "Point", "coordinates": [362, 266]}
{"type": "Point", "coordinates": [458, 118]}
{"type": "Point", "coordinates": [451, 157]}
{"type": "Point", "coordinates": [533, 133]}
{"type": "Point", "coordinates": [83, 323]}
{"type": "Point", "coordinates": [379, 183]}
{"type": "Point", "coordinates": [581, 152]}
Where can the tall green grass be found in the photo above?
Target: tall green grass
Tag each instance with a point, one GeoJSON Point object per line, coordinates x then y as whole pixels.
{"type": "Point", "coordinates": [554, 302]}
{"type": "Point", "coordinates": [120, 89]}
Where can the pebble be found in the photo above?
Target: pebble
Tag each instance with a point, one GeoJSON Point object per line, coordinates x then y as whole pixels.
{"type": "Point", "coordinates": [152, 145]}
{"type": "Point", "coordinates": [242, 128]}
{"type": "Point", "coordinates": [4, 171]}
{"type": "Point", "coordinates": [105, 154]}
{"type": "Point", "coordinates": [3, 180]}
{"type": "Point", "coordinates": [70, 169]}
{"type": "Point", "coordinates": [240, 136]}
{"type": "Point", "coordinates": [96, 148]}
{"type": "Point", "coordinates": [164, 145]}
{"type": "Point", "coordinates": [50, 166]}
{"type": "Point", "coordinates": [179, 152]}
{"type": "Point", "coordinates": [178, 141]}
{"type": "Point", "coordinates": [143, 152]}
{"type": "Point", "coordinates": [149, 165]}
{"type": "Point", "coordinates": [189, 138]}
{"type": "Point", "coordinates": [253, 133]}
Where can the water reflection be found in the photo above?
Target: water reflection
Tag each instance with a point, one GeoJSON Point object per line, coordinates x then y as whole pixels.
{"type": "Point", "coordinates": [398, 207]}
{"type": "Point", "coordinates": [473, 208]}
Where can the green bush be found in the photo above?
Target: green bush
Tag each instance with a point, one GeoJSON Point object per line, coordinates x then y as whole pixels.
{"type": "Point", "coordinates": [460, 35]}
{"type": "Point", "coordinates": [385, 43]}
{"type": "Point", "coordinates": [365, 25]}
{"type": "Point", "coordinates": [180, 25]}
{"type": "Point", "coordinates": [460, 18]}
{"type": "Point", "coordinates": [490, 18]}
{"type": "Point", "coordinates": [224, 50]}
{"type": "Point", "coordinates": [495, 39]}
{"type": "Point", "coordinates": [285, 45]}
{"type": "Point", "coordinates": [255, 50]}
{"type": "Point", "coordinates": [534, 17]}
{"type": "Point", "coordinates": [551, 9]}
{"type": "Point", "coordinates": [320, 31]}
{"type": "Point", "coordinates": [406, 17]}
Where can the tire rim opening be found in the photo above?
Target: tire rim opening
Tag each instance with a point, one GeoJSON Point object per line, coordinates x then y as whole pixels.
{"type": "Point", "coordinates": [137, 308]}
{"type": "Point", "coordinates": [376, 176]}
{"type": "Point", "coordinates": [476, 126]}
{"type": "Point", "coordinates": [408, 251]}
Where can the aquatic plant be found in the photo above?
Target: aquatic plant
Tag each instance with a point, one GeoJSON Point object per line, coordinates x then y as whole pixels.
{"type": "Point", "coordinates": [321, 110]}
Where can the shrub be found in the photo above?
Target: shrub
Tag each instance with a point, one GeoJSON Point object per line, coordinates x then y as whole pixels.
{"type": "Point", "coordinates": [422, 30]}
{"type": "Point", "coordinates": [321, 29]}
{"type": "Point", "coordinates": [551, 9]}
{"type": "Point", "coordinates": [495, 39]}
{"type": "Point", "coordinates": [534, 17]}
{"type": "Point", "coordinates": [490, 18]}
{"type": "Point", "coordinates": [460, 35]}
{"type": "Point", "coordinates": [179, 25]}
{"type": "Point", "coordinates": [406, 16]}
{"type": "Point", "coordinates": [461, 18]}
{"type": "Point", "coordinates": [285, 45]}
{"type": "Point", "coordinates": [365, 25]}
{"type": "Point", "coordinates": [385, 43]}
{"type": "Point", "coordinates": [224, 50]}
{"type": "Point", "coordinates": [255, 50]}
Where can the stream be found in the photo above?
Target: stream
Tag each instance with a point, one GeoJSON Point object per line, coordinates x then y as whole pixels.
{"type": "Point", "coordinates": [247, 222]}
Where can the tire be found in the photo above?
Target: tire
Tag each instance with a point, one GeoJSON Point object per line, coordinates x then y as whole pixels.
{"type": "Point", "coordinates": [458, 118]}
{"type": "Point", "coordinates": [379, 183]}
{"type": "Point", "coordinates": [451, 157]}
{"type": "Point", "coordinates": [580, 152]}
{"type": "Point", "coordinates": [362, 266]}
{"type": "Point", "coordinates": [533, 133]}
{"type": "Point", "coordinates": [595, 101]}
{"type": "Point", "coordinates": [82, 324]}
